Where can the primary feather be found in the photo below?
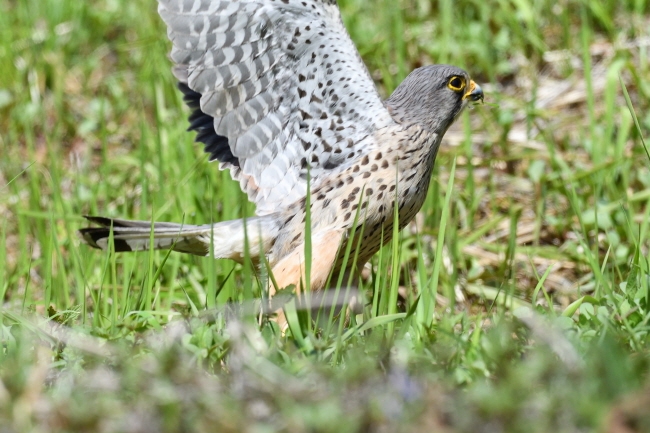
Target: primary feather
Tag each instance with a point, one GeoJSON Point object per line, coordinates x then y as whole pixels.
{"type": "Point", "coordinates": [283, 84]}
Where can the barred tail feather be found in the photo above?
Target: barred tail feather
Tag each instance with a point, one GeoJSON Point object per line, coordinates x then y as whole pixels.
{"type": "Point", "coordinates": [227, 237]}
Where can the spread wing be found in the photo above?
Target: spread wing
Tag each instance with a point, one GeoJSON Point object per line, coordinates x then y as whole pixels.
{"type": "Point", "coordinates": [278, 89]}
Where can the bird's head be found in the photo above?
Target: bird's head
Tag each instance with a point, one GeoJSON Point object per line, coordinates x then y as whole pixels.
{"type": "Point", "coordinates": [433, 97]}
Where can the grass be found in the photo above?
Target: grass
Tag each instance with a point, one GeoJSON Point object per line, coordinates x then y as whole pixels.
{"type": "Point", "coordinates": [516, 301]}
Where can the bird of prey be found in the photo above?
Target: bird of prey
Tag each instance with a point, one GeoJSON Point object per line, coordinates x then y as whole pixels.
{"type": "Point", "coordinates": [280, 97]}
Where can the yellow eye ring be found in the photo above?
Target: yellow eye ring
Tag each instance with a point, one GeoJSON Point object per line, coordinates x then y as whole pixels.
{"type": "Point", "coordinates": [456, 83]}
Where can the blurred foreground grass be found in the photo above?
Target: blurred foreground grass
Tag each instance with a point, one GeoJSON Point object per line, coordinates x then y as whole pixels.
{"type": "Point", "coordinates": [536, 314]}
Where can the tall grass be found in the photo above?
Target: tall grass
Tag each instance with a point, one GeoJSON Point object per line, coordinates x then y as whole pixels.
{"type": "Point", "coordinates": [530, 248]}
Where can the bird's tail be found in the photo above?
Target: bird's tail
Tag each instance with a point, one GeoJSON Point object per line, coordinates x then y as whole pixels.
{"type": "Point", "coordinates": [225, 239]}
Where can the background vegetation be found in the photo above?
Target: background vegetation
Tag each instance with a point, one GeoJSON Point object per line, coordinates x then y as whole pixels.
{"type": "Point", "coordinates": [517, 300]}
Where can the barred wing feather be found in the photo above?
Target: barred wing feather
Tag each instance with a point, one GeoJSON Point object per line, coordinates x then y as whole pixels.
{"type": "Point", "coordinates": [279, 89]}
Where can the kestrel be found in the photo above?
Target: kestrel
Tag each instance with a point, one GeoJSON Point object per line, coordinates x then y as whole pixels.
{"type": "Point", "coordinates": [280, 97]}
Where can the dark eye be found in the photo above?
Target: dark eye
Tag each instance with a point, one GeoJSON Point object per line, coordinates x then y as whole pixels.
{"type": "Point", "coordinates": [456, 83]}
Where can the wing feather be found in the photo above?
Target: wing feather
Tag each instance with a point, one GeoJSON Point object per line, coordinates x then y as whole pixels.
{"type": "Point", "coordinates": [283, 86]}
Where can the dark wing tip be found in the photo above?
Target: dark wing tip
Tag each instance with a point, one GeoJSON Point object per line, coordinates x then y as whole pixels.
{"type": "Point", "coordinates": [216, 145]}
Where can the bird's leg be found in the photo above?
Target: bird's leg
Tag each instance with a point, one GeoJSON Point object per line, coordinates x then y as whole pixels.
{"type": "Point", "coordinates": [291, 269]}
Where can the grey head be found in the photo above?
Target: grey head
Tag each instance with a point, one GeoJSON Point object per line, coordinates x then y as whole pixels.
{"type": "Point", "coordinates": [433, 97]}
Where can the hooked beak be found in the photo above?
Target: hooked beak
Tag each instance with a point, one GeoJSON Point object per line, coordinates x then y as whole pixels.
{"type": "Point", "coordinates": [474, 92]}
